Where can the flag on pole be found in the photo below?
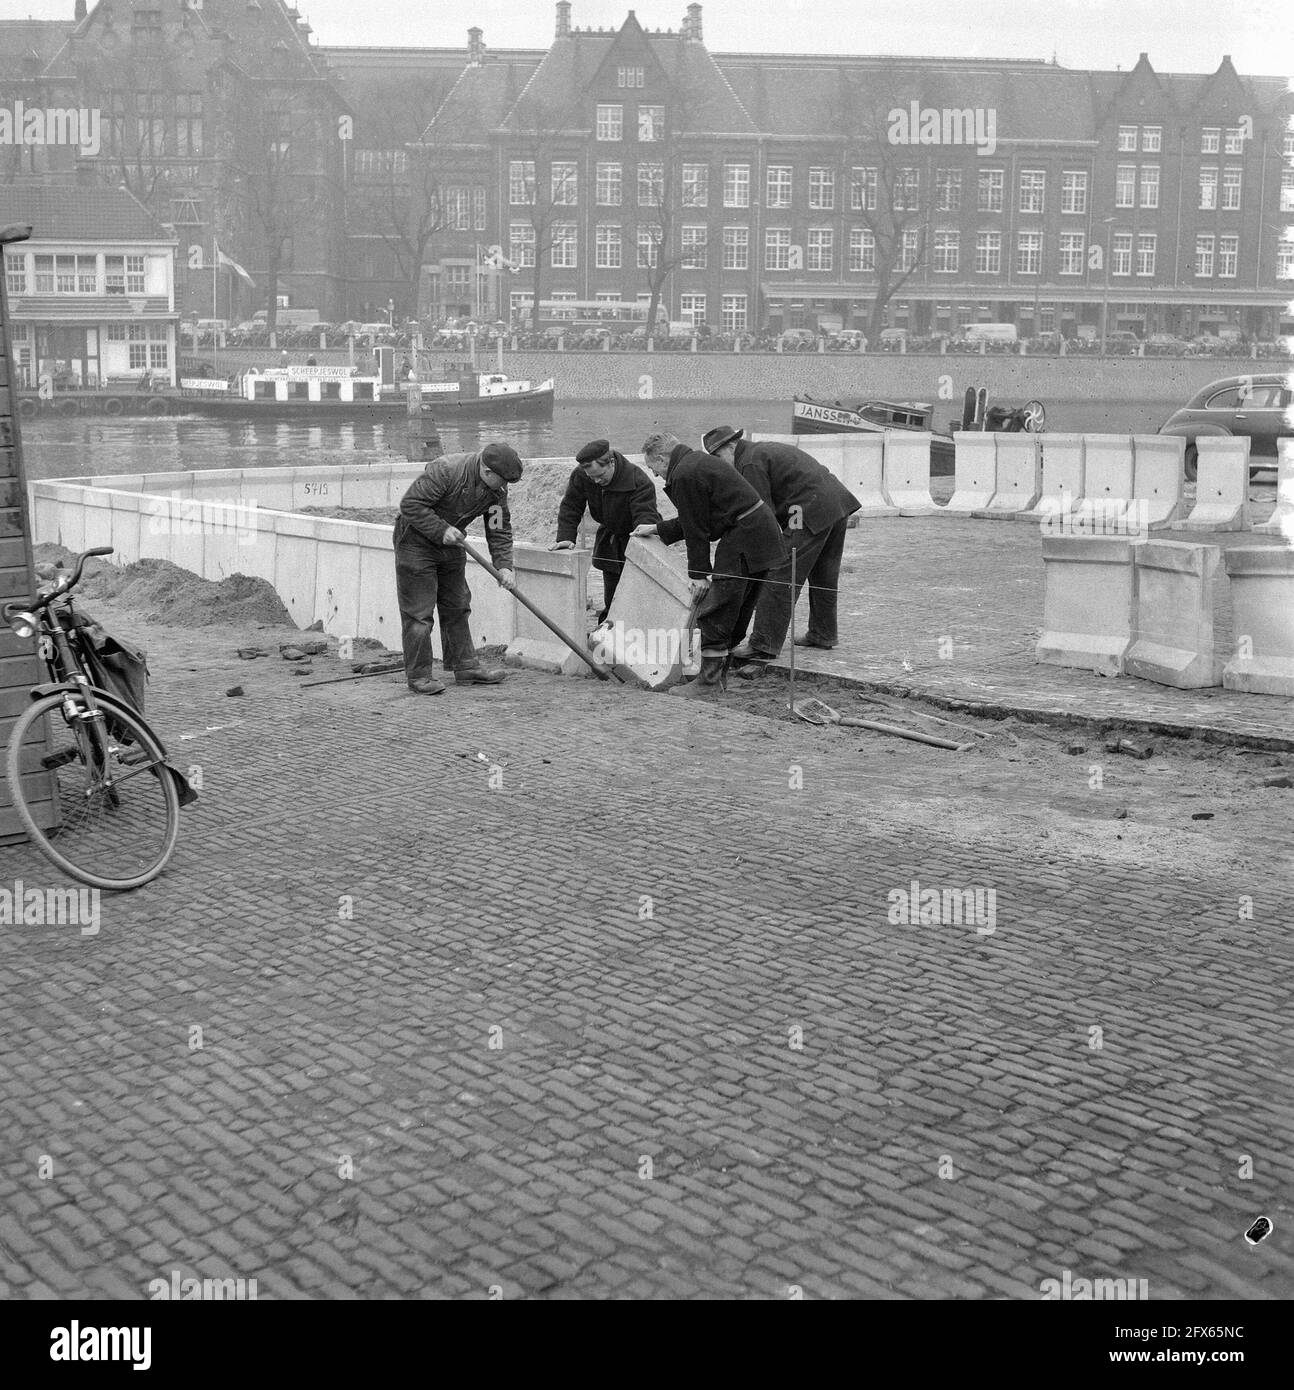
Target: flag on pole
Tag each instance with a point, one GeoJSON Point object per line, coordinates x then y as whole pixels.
{"type": "Point", "coordinates": [224, 262]}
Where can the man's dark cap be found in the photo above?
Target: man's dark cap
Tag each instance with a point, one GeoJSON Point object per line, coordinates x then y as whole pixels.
{"type": "Point", "coordinates": [504, 460]}
{"type": "Point", "coordinates": [716, 438]}
{"type": "Point", "coordinates": [598, 449]}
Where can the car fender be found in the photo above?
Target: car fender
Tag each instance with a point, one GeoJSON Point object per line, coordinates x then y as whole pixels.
{"type": "Point", "coordinates": [1186, 430]}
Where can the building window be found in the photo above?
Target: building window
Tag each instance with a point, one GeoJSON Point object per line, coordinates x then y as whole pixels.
{"type": "Point", "coordinates": [1150, 185]}
{"type": "Point", "coordinates": [1071, 253]}
{"type": "Point", "coordinates": [907, 190]}
{"type": "Point", "coordinates": [1028, 252]}
{"type": "Point", "coordinates": [113, 105]}
{"type": "Point", "coordinates": [947, 253]}
{"type": "Point", "coordinates": [521, 247]}
{"type": "Point", "coordinates": [521, 182]}
{"type": "Point", "coordinates": [651, 123]}
{"type": "Point", "coordinates": [137, 353]}
{"type": "Point", "coordinates": [134, 275]}
{"type": "Point", "coordinates": [821, 248]}
{"type": "Point", "coordinates": [1203, 255]}
{"type": "Point", "coordinates": [116, 332]}
{"type": "Point", "coordinates": [1146, 254]}
{"type": "Point", "coordinates": [647, 248]}
{"type": "Point", "coordinates": [15, 273]}
{"type": "Point", "coordinates": [822, 189]}
{"type": "Point", "coordinates": [1287, 190]}
{"type": "Point", "coordinates": [736, 185]}
{"type": "Point", "coordinates": [862, 190]}
{"type": "Point", "coordinates": [988, 253]}
{"type": "Point", "coordinates": [1033, 184]}
{"type": "Point", "coordinates": [1235, 141]}
{"type": "Point", "coordinates": [1208, 189]}
{"type": "Point", "coordinates": [909, 249]}
{"type": "Point", "coordinates": [694, 248]}
{"type": "Point", "coordinates": [1210, 139]}
{"type": "Point", "coordinates": [458, 209]}
{"type": "Point", "coordinates": [562, 255]}
{"type": "Point", "coordinates": [561, 298]}
{"type": "Point", "coordinates": [381, 161]}
{"type": "Point", "coordinates": [1152, 138]}
{"type": "Point", "coordinates": [651, 185]}
{"type": "Point", "coordinates": [1125, 186]}
{"type": "Point", "coordinates": [607, 255]}
{"type": "Point", "coordinates": [1230, 189]}
{"type": "Point", "coordinates": [948, 190]}
{"type": "Point", "coordinates": [734, 313]}
{"type": "Point", "coordinates": [146, 24]}
{"type": "Point", "coordinates": [777, 189]}
{"type": "Point", "coordinates": [777, 248]}
{"type": "Point", "coordinates": [691, 309]}
{"type": "Point", "coordinates": [565, 175]}
{"type": "Point", "coordinates": [1285, 259]}
{"type": "Point", "coordinates": [520, 304]}
{"type": "Point", "coordinates": [696, 185]}
{"type": "Point", "coordinates": [736, 248]}
{"type": "Point", "coordinates": [1127, 139]}
{"type": "Point", "coordinates": [1228, 257]}
{"type": "Point", "coordinates": [629, 77]}
{"type": "Point", "coordinates": [45, 275]}
{"type": "Point", "coordinates": [1287, 146]}
{"type": "Point", "coordinates": [150, 123]}
{"type": "Point", "coordinates": [1073, 191]}
{"type": "Point", "coordinates": [159, 357]}
{"type": "Point", "coordinates": [862, 249]}
{"type": "Point", "coordinates": [991, 183]}
{"type": "Point", "coordinates": [1121, 254]}
{"type": "Point", "coordinates": [114, 274]}
{"type": "Point", "coordinates": [186, 212]}
{"type": "Point", "coordinates": [610, 123]}
{"type": "Point", "coordinates": [609, 177]}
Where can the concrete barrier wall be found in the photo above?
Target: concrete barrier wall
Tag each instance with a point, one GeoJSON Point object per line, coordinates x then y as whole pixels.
{"type": "Point", "coordinates": [1158, 475]}
{"type": "Point", "coordinates": [974, 471]}
{"type": "Point", "coordinates": [1062, 475]}
{"type": "Point", "coordinates": [1019, 475]}
{"type": "Point", "coordinates": [907, 472]}
{"type": "Point", "coordinates": [1087, 603]}
{"type": "Point", "coordinates": [1262, 596]}
{"type": "Point", "coordinates": [1281, 521]}
{"type": "Point", "coordinates": [1173, 600]}
{"type": "Point", "coordinates": [1221, 486]}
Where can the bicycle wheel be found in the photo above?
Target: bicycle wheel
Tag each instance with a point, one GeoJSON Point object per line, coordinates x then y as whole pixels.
{"type": "Point", "coordinates": [109, 820]}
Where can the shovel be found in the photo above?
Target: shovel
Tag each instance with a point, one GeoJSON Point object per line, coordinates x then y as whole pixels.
{"type": "Point", "coordinates": [815, 712]}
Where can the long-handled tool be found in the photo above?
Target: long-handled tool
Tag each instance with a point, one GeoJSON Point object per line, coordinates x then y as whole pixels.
{"type": "Point", "coordinates": [815, 712]}
{"type": "Point", "coordinates": [604, 673]}
{"type": "Point", "coordinates": [360, 676]}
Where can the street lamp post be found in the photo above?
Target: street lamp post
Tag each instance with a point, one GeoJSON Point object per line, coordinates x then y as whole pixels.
{"type": "Point", "coordinates": [390, 312]}
{"type": "Point", "coordinates": [1105, 295]}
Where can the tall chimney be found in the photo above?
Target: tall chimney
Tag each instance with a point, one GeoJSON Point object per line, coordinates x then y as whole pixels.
{"type": "Point", "coordinates": [563, 18]}
{"type": "Point", "coordinates": [475, 48]}
{"type": "Point", "coordinates": [692, 23]}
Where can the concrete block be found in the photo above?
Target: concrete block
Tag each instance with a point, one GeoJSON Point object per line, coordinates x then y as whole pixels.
{"type": "Point", "coordinates": [907, 472]}
{"type": "Point", "coordinates": [1262, 599]}
{"type": "Point", "coordinates": [1221, 486]}
{"type": "Point", "coordinates": [126, 519]}
{"type": "Point", "coordinates": [646, 630]}
{"type": "Point", "coordinates": [296, 561]}
{"type": "Point", "coordinates": [1019, 475]}
{"type": "Point", "coordinates": [863, 473]}
{"type": "Point", "coordinates": [1281, 521]}
{"type": "Point", "coordinates": [1173, 598]}
{"type": "Point", "coordinates": [378, 611]}
{"type": "Point", "coordinates": [829, 450]}
{"type": "Point", "coordinates": [1087, 602]}
{"type": "Point", "coordinates": [1158, 476]}
{"type": "Point", "coordinates": [336, 595]}
{"type": "Point", "coordinates": [557, 584]}
{"type": "Point", "coordinates": [1062, 476]}
{"type": "Point", "coordinates": [96, 507]}
{"type": "Point", "coordinates": [974, 471]}
{"type": "Point", "coordinates": [1107, 477]}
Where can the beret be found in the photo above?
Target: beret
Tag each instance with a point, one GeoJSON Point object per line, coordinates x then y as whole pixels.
{"type": "Point", "coordinates": [596, 450]}
{"type": "Point", "coordinates": [504, 460]}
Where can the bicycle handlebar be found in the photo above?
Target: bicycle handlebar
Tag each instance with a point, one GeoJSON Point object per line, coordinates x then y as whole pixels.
{"type": "Point", "coordinates": [60, 588]}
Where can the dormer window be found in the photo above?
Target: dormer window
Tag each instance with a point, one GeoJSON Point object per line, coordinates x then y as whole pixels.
{"type": "Point", "coordinates": [629, 77]}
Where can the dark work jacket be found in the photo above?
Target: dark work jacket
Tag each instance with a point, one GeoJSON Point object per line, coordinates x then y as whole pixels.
{"type": "Point", "coordinates": [787, 477]}
{"type": "Point", "coordinates": [710, 495]}
{"type": "Point", "coordinates": [628, 500]}
{"type": "Point", "coordinates": [450, 493]}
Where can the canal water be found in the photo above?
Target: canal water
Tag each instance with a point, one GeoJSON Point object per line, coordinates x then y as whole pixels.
{"type": "Point", "coordinates": [98, 445]}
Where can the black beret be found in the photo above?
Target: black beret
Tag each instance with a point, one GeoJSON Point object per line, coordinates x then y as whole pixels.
{"type": "Point", "coordinates": [504, 460]}
{"type": "Point", "coordinates": [598, 449]}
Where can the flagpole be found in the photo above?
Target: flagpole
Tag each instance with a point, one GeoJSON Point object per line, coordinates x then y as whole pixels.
{"type": "Point", "coordinates": [215, 301]}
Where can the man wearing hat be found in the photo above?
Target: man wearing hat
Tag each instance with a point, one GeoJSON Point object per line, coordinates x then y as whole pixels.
{"type": "Point", "coordinates": [619, 496]}
{"type": "Point", "coordinates": [430, 563]}
{"type": "Point", "coordinates": [714, 504]}
{"type": "Point", "coordinates": [813, 510]}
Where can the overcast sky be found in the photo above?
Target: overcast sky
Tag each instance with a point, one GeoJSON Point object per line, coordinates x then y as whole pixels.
{"type": "Point", "coordinates": [1179, 35]}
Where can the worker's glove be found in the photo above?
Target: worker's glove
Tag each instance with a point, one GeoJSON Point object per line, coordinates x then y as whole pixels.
{"type": "Point", "coordinates": [453, 536]}
{"type": "Point", "coordinates": [699, 587]}
{"type": "Point", "coordinates": [507, 580]}
{"type": "Point", "coordinates": [648, 528]}
{"type": "Point", "coordinates": [562, 545]}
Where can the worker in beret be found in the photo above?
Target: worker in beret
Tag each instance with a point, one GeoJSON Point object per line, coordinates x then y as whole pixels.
{"type": "Point", "coordinates": [814, 510]}
{"type": "Point", "coordinates": [430, 563]}
{"type": "Point", "coordinates": [619, 496]}
{"type": "Point", "coordinates": [714, 504]}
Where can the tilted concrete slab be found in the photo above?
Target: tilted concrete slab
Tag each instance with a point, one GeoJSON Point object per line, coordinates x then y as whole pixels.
{"type": "Point", "coordinates": [646, 633]}
{"type": "Point", "coordinates": [1221, 485]}
{"type": "Point", "coordinates": [1175, 594]}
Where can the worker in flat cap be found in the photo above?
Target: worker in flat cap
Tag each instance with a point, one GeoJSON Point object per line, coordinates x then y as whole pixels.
{"type": "Point", "coordinates": [619, 496]}
{"type": "Point", "coordinates": [813, 510]}
{"type": "Point", "coordinates": [714, 504]}
{"type": "Point", "coordinates": [430, 563]}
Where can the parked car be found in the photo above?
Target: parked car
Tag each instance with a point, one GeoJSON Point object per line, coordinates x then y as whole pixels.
{"type": "Point", "coordinates": [1255, 407]}
{"type": "Point", "coordinates": [1121, 341]}
{"type": "Point", "coordinates": [798, 340]}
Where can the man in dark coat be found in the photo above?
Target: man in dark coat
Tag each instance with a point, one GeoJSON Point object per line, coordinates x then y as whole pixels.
{"type": "Point", "coordinates": [619, 496]}
{"type": "Point", "coordinates": [813, 510]}
{"type": "Point", "coordinates": [714, 504]}
{"type": "Point", "coordinates": [430, 563]}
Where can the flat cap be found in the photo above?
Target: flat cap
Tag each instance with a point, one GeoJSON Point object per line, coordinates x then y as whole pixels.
{"type": "Point", "coordinates": [716, 438]}
{"type": "Point", "coordinates": [598, 449]}
{"type": "Point", "coordinates": [504, 460]}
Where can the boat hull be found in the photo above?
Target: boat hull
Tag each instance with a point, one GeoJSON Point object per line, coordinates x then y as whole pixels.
{"type": "Point", "coordinates": [813, 417]}
{"type": "Point", "coordinates": [527, 405]}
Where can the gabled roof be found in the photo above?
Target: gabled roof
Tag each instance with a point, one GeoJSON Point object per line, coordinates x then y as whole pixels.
{"type": "Point", "coordinates": [28, 45]}
{"type": "Point", "coordinates": [63, 209]}
{"type": "Point", "coordinates": [479, 101]}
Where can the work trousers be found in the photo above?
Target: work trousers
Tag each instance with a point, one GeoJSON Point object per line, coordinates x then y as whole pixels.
{"type": "Point", "coordinates": [817, 562]}
{"type": "Point", "coordinates": [610, 578]}
{"type": "Point", "coordinates": [725, 610]}
{"type": "Point", "coordinates": [431, 579]}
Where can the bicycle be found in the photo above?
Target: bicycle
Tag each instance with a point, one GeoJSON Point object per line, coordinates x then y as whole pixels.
{"type": "Point", "coordinates": [88, 776]}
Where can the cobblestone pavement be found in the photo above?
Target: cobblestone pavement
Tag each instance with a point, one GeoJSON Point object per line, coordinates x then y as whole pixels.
{"type": "Point", "coordinates": [633, 1021]}
{"type": "Point", "coordinates": [952, 608]}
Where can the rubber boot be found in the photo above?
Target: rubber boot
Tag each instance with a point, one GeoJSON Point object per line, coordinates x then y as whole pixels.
{"type": "Point", "coordinates": [710, 681]}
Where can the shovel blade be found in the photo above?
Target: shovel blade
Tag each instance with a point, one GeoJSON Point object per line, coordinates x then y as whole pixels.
{"type": "Point", "coordinates": [815, 712]}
